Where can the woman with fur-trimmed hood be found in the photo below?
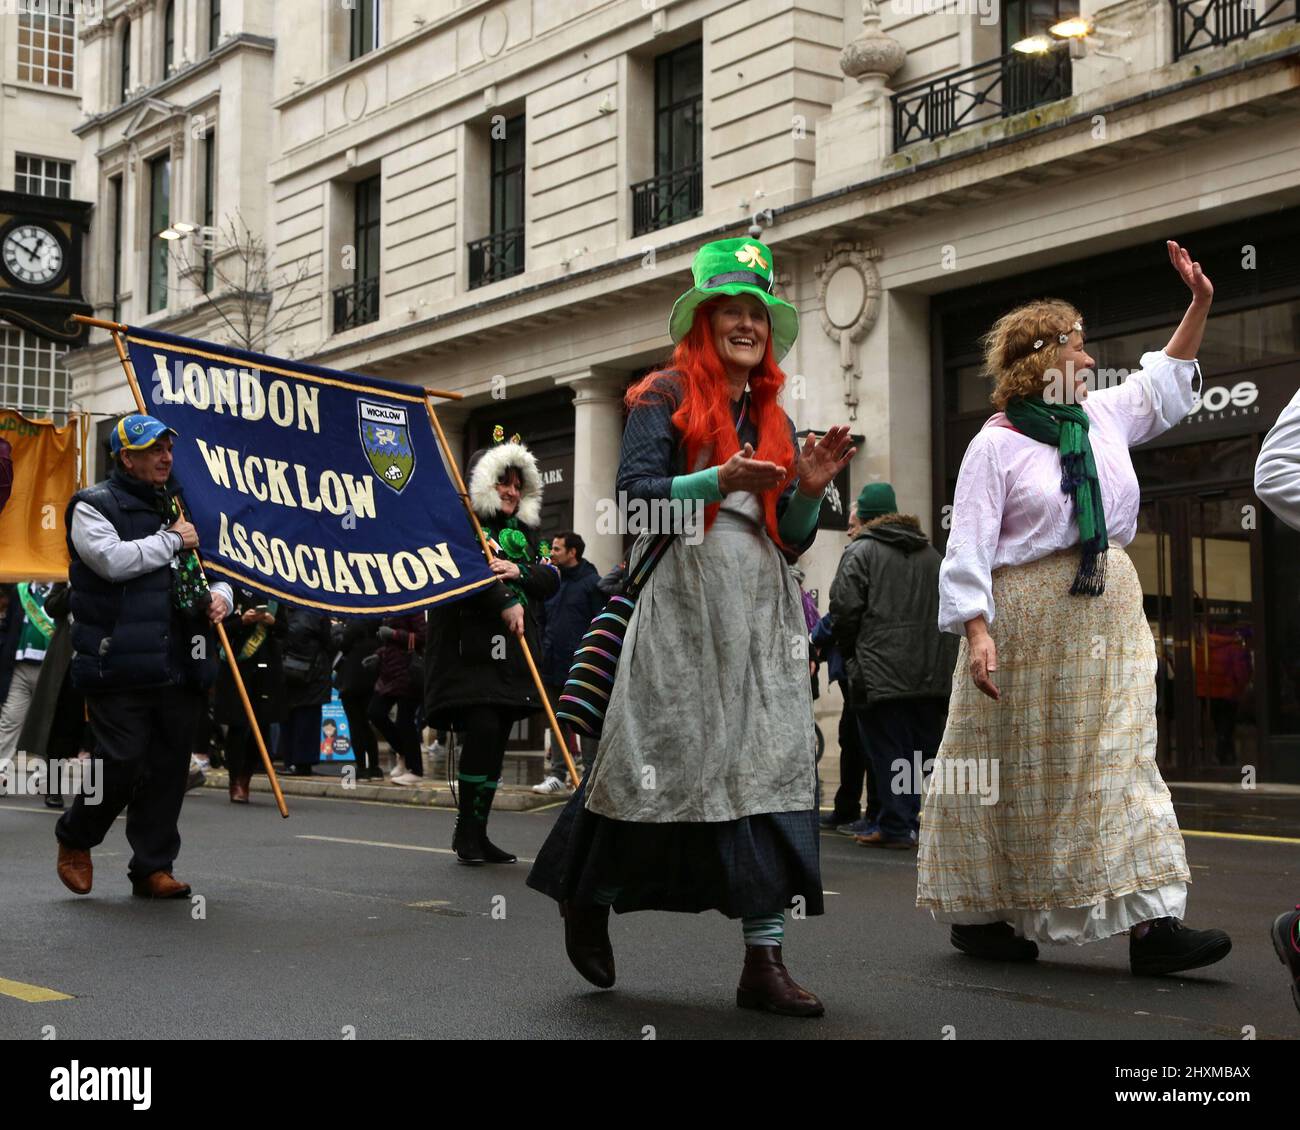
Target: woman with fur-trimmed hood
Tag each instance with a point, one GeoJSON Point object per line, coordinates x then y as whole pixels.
{"type": "Point", "coordinates": [477, 681]}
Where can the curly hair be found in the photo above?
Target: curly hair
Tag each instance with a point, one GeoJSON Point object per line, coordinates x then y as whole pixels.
{"type": "Point", "coordinates": [1010, 359]}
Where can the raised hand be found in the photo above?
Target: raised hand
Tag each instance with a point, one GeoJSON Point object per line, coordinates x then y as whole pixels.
{"type": "Point", "coordinates": [822, 459]}
{"type": "Point", "coordinates": [1190, 272]}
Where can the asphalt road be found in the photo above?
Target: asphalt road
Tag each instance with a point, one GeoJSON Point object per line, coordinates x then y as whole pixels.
{"type": "Point", "coordinates": [356, 915]}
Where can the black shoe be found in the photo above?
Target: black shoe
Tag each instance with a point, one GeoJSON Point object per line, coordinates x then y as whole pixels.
{"type": "Point", "coordinates": [1170, 947]}
{"type": "Point", "coordinates": [1287, 943]}
{"type": "Point", "coordinates": [492, 853]}
{"type": "Point", "coordinates": [53, 800]}
{"type": "Point", "coordinates": [996, 941]}
{"type": "Point", "coordinates": [467, 840]}
{"type": "Point", "coordinates": [833, 820]}
{"type": "Point", "coordinates": [586, 941]}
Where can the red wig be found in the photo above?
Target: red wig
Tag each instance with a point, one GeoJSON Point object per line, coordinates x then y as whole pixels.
{"type": "Point", "coordinates": [703, 416]}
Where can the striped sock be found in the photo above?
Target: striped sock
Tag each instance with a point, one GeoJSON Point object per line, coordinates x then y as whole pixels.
{"type": "Point", "coordinates": [605, 896]}
{"type": "Point", "coordinates": [764, 929]}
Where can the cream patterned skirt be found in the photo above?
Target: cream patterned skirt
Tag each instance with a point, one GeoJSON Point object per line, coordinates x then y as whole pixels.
{"type": "Point", "coordinates": [1046, 809]}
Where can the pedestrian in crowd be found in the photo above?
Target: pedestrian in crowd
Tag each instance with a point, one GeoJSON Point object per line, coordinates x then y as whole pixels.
{"type": "Point", "coordinates": [12, 621]}
{"type": "Point", "coordinates": [400, 684]}
{"type": "Point", "coordinates": [1277, 482]}
{"type": "Point", "coordinates": [478, 682]}
{"type": "Point", "coordinates": [54, 730]}
{"type": "Point", "coordinates": [144, 656]}
{"type": "Point", "coordinates": [847, 815]}
{"type": "Point", "coordinates": [712, 701]}
{"type": "Point", "coordinates": [307, 650]}
{"type": "Point", "coordinates": [34, 634]}
{"type": "Point", "coordinates": [1075, 838]}
{"type": "Point", "coordinates": [255, 630]}
{"type": "Point", "coordinates": [568, 616]}
{"type": "Point", "coordinates": [885, 611]}
{"type": "Point", "coordinates": [611, 584]}
{"type": "Point", "coordinates": [354, 677]}
{"type": "Point", "coordinates": [6, 472]}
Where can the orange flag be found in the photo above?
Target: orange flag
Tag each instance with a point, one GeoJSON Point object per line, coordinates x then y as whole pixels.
{"type": "Point", "coordinates": [33, 538]}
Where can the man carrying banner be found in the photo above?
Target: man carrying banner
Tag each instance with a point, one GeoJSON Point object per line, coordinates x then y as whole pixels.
{"type": "Point", "coordinates": [141, 612]}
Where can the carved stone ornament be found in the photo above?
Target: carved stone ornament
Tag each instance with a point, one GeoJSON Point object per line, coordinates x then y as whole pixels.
{"type": "Point", "coordinates": [849, 292]}
{"type": "Point", "coordinates": [874, 57]}
{"type": "Point", "coordinates": [89, 32]}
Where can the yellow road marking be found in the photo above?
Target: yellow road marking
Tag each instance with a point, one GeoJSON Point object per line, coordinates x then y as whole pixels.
{"type": "Point", "coordinates": [384, 844]}
{"type": "Point", "coordinates": [1242, 836]}
{"type": "Point", "coordinates": [32, 993]}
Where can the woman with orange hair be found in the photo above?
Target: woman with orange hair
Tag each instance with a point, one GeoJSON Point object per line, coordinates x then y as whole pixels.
{"type": "Point", "coordinates": [703, 794]}
{"type": "Point", "coordinates": [1053, 699]}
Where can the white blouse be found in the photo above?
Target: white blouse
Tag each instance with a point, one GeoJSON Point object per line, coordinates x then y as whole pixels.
{"type": "Point", "coordinates": [1277, 471]}
{"type": "Point", "coordinates": [1009, 508]}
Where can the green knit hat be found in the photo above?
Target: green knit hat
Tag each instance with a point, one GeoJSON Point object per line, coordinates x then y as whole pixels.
{"type": "Point", "coordinates": [736, 266]}
{"type": "Point", "coordinates": [876, 499]}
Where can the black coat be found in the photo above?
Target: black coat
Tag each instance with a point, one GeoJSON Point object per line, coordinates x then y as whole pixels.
{"type": "Point", "coordinates": [308, 650]}
{"type": "Point", "coordinates": [472, 660]}
{"type": "Point", "coordinates": [568, 616]}
{"type": "Point", "coordinates": [885, 615]}
{"type": "Point", "coordinates": [9, 633]}
{"type": "Point", "coordinates": [357, 641]}
{"type": "Point", "coordinates": [262, 672]}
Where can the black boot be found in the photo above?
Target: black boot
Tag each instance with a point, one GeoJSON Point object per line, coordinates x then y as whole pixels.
{"type": "Point", "coordinates": [996, 941]}
{"type": "Point", "coordinates": [467, 839]}
{"type": "Point", "coordinates": [1170, 947]}
{"type": "Point", "coordinates": [491, 853]}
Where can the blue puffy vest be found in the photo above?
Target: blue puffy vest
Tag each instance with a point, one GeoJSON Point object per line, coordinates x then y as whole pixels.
{"type": "Point", "coordinates": [125, 634]}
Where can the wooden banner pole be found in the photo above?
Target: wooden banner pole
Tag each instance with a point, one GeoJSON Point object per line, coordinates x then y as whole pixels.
{"type": "Point", "coordinates": [116, 329]}
{"type": "Point", "coordinates": [487, 550]}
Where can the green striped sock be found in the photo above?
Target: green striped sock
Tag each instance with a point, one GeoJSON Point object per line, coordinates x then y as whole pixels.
{"type": "Point", "coordinates": [764, 929]}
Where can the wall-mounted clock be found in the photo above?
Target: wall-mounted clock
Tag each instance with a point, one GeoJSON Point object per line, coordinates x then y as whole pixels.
{"type": "Point", "coordinates": [32, 255]}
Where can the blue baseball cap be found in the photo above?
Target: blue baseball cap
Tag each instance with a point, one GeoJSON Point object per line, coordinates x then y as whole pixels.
{"type": "Point", "coordinates": [134, 433]}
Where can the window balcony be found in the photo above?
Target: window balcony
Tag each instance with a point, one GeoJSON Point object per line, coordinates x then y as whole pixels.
{"type": "Point", "coordinates": [993, 89]}
{"type": "Point", "coordinates": [669, 199]}
{"type": "Point", "coordinates": [496, 257]}
{"type": "Point", "coordinates": [1201, 24]}
{"type": "Point", "coordinates": [356, 304]}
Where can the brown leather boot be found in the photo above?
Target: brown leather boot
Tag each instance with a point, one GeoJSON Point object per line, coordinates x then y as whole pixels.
{"type": "Point", "coordinates": [766, 984]}
{"type": "Point", "coordinates": [586, 941]}
{"type": "Point", "coordinates": [75, 870]}
{"type": "Point", "coordinates": [160, 885]}
{"type": "Point", "coordinates": [239, 786]}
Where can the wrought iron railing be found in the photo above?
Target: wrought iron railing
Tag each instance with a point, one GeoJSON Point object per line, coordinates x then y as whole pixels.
{"type": "Point", "coordinates": [496, 257]}
{"type": "Point", "coordinates": [668, 199]}
{"type": "Point", "coordinates": [1201, 24]}
{"type": "Point", "coordinates": [356, 304]}
{"type": "Point", "coordinates": [996, 88]}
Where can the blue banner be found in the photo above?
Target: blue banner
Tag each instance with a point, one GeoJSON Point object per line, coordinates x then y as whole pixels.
{"type": "Point", "coordinates": [318, 488]}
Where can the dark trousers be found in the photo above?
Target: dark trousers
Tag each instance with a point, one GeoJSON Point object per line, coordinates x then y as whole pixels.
{"type": "Point", "coordinates": [855, 769]}
{"type": "Point", "coordinates": [895, 731]}
{"type": "Point", "coordinates": [365, 747]}
{"type": "Point", "coordinates": [300, 735]}
{"type": "Point", "coordinates": [402, 736]}
{"type": "Point", "coordinates": [483, 751]}
{"type": "Point", "coordinates": [242, 756]}
{"type": "Point", "coordinates": [143, 740]}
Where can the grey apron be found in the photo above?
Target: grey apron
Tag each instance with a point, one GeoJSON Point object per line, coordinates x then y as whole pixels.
{"type": "Point", "coordinates": [711, 717]}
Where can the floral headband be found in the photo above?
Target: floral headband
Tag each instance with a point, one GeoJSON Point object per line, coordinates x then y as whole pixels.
{"type": "Point", "coordinates": [1061, 338]}
{"type": "Point", "coordinates": [499, 434]}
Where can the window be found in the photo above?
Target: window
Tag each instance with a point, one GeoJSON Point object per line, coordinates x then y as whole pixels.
{"type": "Point", "coordinates": [365, 28]}
{"type": "Point", "coordinates": [32, 377]}
{"type": "Point", "coordinates": [357, 303]}
{"type": "Point", "coordinates": [169, 37]}
{"type": "Point", "coordinates": [47, 37]}
{"type": "Point", "coordinates": [676, 191]}
{"type": "Point", "coordinates": [214, 24]}
{"type": "Point", "coordinates": [42, 176]}
{"type": "Point", "coordinates": [1031, 80]}
{"type": "Point", "coordinates": [160, 175]}
{"type": "Point", "coordinates": [209, 201]}
{"type": "Point", "coordinates": [115, 192]}
{"type": "Point", "coordinates": [126, 61]}
{"type": "Point", "coordinates": [501, 253]}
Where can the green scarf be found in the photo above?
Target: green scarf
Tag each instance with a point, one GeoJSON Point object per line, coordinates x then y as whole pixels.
{"type": "Point", "coordinates": [1065, 427]}
{"type": "Point", "coordinates": [514, 547]}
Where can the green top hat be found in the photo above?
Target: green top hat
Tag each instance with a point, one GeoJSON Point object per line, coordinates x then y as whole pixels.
{"type": "Point", "coordinates": [736, 266]}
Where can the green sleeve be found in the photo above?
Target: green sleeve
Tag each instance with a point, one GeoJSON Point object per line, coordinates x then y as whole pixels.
{"type": "Point", "coordinates": [702, 485]}
{"type": "Point", "coordinates": [799, 518]}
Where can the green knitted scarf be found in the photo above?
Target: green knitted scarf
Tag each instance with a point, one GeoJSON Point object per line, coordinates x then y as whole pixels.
{"type": "Point", "coordinates": [1065, 427]}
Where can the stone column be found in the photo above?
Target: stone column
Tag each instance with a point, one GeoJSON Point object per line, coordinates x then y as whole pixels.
{"type": "Point", "coordinates": [597, 439]}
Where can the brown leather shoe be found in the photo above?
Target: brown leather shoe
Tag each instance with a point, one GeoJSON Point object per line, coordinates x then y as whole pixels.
{"type": "Point", "coordinates": [75, 870]}
{"type": "Point", "coordinates": [160, 885]}
{"type": "Point", "coordinates": [877, 839]}
{"type": "Point", "coordinates": [586, 941]}
{"type": "Point", "coordinates": [766, 984]}
{"type": "Point", "coordinates": [239, 788]}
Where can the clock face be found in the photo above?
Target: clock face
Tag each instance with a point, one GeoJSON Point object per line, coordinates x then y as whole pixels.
{"type": "Point", "coordinates": [32, 254]}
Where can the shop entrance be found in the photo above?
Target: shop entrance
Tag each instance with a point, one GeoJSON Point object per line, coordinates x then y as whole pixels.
{"type": "Point", "coordinates": [1197, 552]}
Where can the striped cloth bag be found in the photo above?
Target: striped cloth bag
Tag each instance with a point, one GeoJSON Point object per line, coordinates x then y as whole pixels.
{"type": "Point", "coordinates": [585, 697]}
